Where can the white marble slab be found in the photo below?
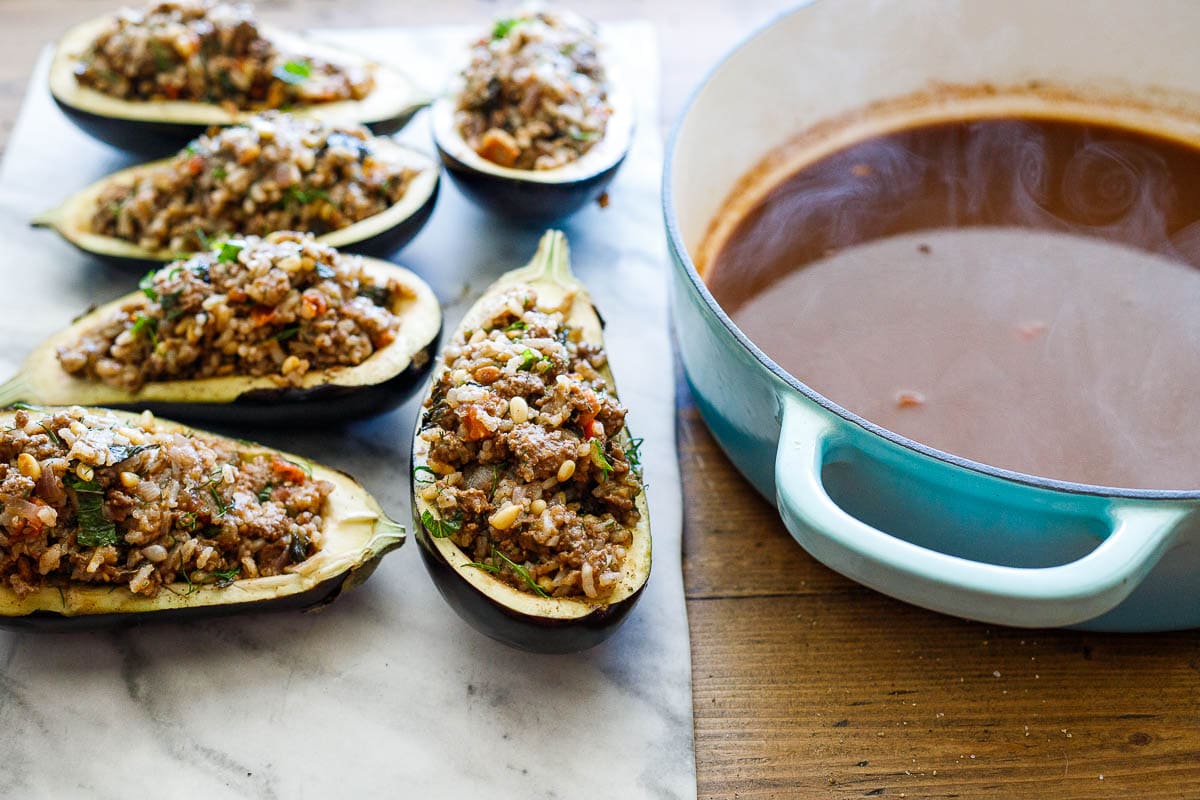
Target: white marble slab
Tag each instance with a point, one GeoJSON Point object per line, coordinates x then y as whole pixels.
{"type": "Point", "coordinates": [386, 693]}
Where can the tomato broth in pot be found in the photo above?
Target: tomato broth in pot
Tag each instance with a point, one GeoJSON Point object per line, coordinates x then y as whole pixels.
{"type": "Point", "coordinates": [1018, 290]}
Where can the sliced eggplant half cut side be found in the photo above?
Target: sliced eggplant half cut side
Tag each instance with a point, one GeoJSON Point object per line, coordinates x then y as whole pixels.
{"type": "Point", "coordinates": [157, 127]}
{"type": "Point", "coordinates": [356, 535]}
{"type": "Point", "coordinates": [523, 617]}
{"type": "Point", "coordinates": [528, 196]}
{"type": "Point", "coordinates": [337, 395]}
{"type": "Point", "coordinates": [380, 234]}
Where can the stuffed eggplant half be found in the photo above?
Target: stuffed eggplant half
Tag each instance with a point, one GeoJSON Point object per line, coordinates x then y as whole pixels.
{"type": "Point", "coordinates": [275, 172]}
{"type": "Point", "coordinates": [269, 331]}
{"type": "Point", "coordinates": [149, 79]}
{"type": "Point", "coordinates": [110, 518]}
{"type": "Point", "coordinates": [536, 126]}
{"type": "Point", "coordinates": [527, 492]}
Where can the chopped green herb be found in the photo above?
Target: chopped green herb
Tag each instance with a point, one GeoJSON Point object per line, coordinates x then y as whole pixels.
{"type": "Point", "coordinates": [146, 284]}
{"type": "Point", "coordinates": [528, 359]}
{"type": "Point", "coordinates": [219, 173]}
{"type": "Point", "coordinates": [95, 530]}
{"type": "Point", "coordinates": [187, 577]}
{"type": "Point", "coordinates": [62, 598]}
{"type": "Point", "coordinates": [440, 528]}
{"type": "Point", "coordinates": [522, 573]}
{"type": "Point", "coordinates": [23, 407]}
{"type": "Point", "coordinates": [379, 295]}
{"type": "Point", "coordinates": [214, 480]}
{"type": "Point", "coordinates": [635, 452]}
{"type": "Point", "coordinates": [50, 432]}
{"type": "Point", "coordinates": [115, 207]}
{"type": "Point", "coordinates": [286, 333]}
{"type": "Point", "coordinates": [123, 452]}
{"type": "Point", "coordinates": [519, 325]}
{"type": "Point", "coordinates": [496, 470]}
{"type": "Point", "coordinates": [187, 521]}
{"type": "Point", "coordinates": [298, 549]}
{"type": "Point", "coordinates": [147, 327]}
{"type": "Point", "coordinates": [170, 304]}
{"type": "Point", "coordinates": [294, 195]}
{"type": "Point", "coordinates": [600, 460]}
{"type": "Point", "coordinates": [503, 27]}
{"type": "Point", "coordinates": [192, 148]}
{"type": "Point", "coordinates": [230, 250]}
{"type": "Point", "coordinates": [417, 475]}
{"type": "Point", "coordinates": [163, 57]}
{"type": "Point", "coordinates": [227, 576]}
{"type": "Point", "coordinates": [485, 567]}
{"type": "Point", "coordinates": [264, 494]}
{"type": "Point", "coordinates": [293, 72]}
{"type": "Point", "coordinates": [584, 136]}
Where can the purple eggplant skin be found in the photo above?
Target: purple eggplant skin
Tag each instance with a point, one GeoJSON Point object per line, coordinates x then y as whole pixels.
{"type": "Point", "coordinates": [534, 204]}
{"type": "Point", "coordinates": [317, 597]}
{"type": "Point", "coordinates": [510, 627]}
{"type": "Point", "coordinates": [387, 242]}
{"type": "Point", "coordinates": [291, 406]}
{"type": "Point", "coordinates": [162, 139]}
{"type": "Point", "coordinates": [382, 245]}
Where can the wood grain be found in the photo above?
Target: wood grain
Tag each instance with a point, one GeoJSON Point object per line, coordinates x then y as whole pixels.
{"type": "Point", "coordinates": [806, 685]}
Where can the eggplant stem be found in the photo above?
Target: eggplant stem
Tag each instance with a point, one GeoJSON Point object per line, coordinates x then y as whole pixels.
{"type": "Point", "coordinates": [551, 262]}
{"type": "Point", "coordinates": [47, 219]}
{"type": "Point", "coordinates": [16, 389]}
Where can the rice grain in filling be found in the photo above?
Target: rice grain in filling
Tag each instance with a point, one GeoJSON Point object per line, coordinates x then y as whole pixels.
{"type": "Point", "coordinates": [283, 306]}
{"type": "Point", "coordinates": [89, 497]}
{"type": "Point", "coordinates": [208, 51]}
{"type": "Point", "coordinates": [528, 468]}
{"type": "Point", "coordinates": [535, 95]}
{"type": "Point", "coordinates": [276, 172]}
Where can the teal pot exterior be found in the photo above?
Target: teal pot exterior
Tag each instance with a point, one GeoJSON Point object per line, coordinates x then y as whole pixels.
{"type": "Point", "coordinates": [927, 527]}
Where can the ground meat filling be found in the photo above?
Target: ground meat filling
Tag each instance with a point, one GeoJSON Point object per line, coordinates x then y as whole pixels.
{"type": "Point", "coordinates": [206, 51]}
{"type": "Point", "coordinates": [87, 497]}
{"type": "Point", "coordinates": [283, 306]}
{"type": "Point", "coordinates": [274, 173]}
{"type": "Point", "coordinates": [535, 93]}
{"type": "Point", "coordinates": [528, 469]}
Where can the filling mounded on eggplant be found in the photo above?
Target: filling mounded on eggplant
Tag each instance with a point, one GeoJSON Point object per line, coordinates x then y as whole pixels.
{"type": "Point", "coordinates": [88, 497]}
{"type": "Point", "coordinates": [209, 51]}
{"type": "Point", "coordinates": [275, 172]}
{"type": "Point", "coordinates": [281, 306]}
{"type": "Point", "coordinates": [535, 95]}
{"type": "Point", "coordinates": [527, 467]}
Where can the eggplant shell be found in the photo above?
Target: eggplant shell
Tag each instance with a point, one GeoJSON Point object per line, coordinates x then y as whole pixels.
{"type": "Point", "coordinates": [357, 535]}
{"type": "Point", "coordinates": [156, 127]}
{"type": "Point", "coordinates": [534, 197]}
{"type": "Point", "coordinates": [493, 607]}
{"type": "Point", "coordinates": [380, 234]}
{"type": "Point", "coordinates": [335, 395]}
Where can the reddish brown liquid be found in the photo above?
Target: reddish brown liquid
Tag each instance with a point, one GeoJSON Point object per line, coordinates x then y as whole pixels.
{"type": "Point", "coordinates": [1021, 293]}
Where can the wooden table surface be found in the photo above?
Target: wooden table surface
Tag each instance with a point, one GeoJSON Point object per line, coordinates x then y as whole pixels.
{"type": "Point", "coordinates": [805, 684]}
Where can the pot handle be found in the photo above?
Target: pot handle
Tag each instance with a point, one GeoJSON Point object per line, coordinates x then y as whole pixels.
{"type": "Point", "coordinates": [1139, 533]}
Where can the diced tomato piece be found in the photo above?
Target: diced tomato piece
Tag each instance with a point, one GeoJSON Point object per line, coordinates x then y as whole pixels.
{"type": "Point", "coordinates": [288, 471]}
{"type": "Point", "coordinates": [262, 315]}
{"type": "Point", "coordinates": [475, 428]}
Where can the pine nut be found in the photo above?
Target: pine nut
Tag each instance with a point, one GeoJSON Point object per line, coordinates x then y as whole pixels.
{"type": "Point", "coordinates": [130, 479]}
{"type": "Point", "coordinates": [503, 519]}
{"type": "Point", "coordinates": [566, 470]}
{"type": "Point", "coordinates": [518, 410]}
{"type": "Point", "coordinates": [537, 506]}
{"type": "Point", "coordinates": [84, 472]}
{"type": "Point", "coordinates": [28, 466]}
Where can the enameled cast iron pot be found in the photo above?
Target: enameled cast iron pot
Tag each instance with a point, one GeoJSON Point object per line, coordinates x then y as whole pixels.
{"type": "Point", "coordinates": [935, 530]}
